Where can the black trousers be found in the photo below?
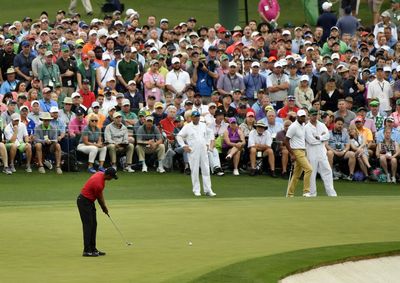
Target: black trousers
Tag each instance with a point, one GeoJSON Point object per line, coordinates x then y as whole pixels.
{"type": "Point", "coordinates": [87, 211]}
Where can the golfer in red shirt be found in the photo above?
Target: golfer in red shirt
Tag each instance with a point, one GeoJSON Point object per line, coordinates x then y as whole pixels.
{"type": "Point", "coordinates": [92, 190]}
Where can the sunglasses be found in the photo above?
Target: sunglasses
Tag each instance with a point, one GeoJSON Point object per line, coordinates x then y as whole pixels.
{"type": "Point", "coordinates": [94, 120]}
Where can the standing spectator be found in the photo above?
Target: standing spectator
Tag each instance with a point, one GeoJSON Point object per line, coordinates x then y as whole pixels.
{"type": "Point", "coordinates": [330, 96]}
{"type": "Point", "coordinates": [230, 81]}
{"type": "Point", "coordinates": [381, 90]}
{"type": "Point", "coordinates": [203, 77]}
{"type": "Point", "coordinates": [296, 144]}
{"type": "Point", "coordinates": [46, 102]}
{"type": "Point", "coordinates": [10, 83]}
{"type": "Point", "coordinates": [317, 134]}
{"type": "Point", "coordinates": [46, 142]}
{"type": "Point", "coordinates": [149, 140]}
{"type": "Point", "coordinates": [116, 139]}
{"type": "Point", "coordinates": [105, 72]}
{"type": "Point", "coordinates": [387, 151]}
{"type": "Point", "coordinates": [86, 71]}
{"type": "Point", "coordinates": [87, 95]}
{"type": "Point", "coordinates": [7, 56]}
{"type": "Point", "coordinates": [278, 85]}
{"type": "Point", "coordinates": [177, 80]}
{"type": "Point", "coordinates": [254, 82]}
{"type": "Point", "coordinates": [303, 94]}
{"type": "Point", "coordinates": [86, 4]}
{"type": "Point", "coordinates": [347, 23]}
{"type": "Point", "coordinates": [68, 70]}
{"type": "Point", "coordinates": [49, 73]}
{"type": "Point", "coordinates": [153, 81]}
{"type": "Point", "coordinates": [326, 20]}
{"type": "Point", "coordinates": [39, 59]}
{"type": "Point", "coordinates": [23, 63]}
{"type": "Point", "coordinates": [197, 142]}
{"type": "Point", "coordinates": [233, 144]}
{"type": "Point", "coordinates": [127, 69]}
{"type": "Point", "coordinates": [17, 138]}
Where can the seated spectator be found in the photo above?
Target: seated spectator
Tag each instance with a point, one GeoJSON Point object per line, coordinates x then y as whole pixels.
{"type": "Point", "coordinates": [158, 114]}
{"type": "Point", "coordinates": [100, 116]}
{"type": "Point", "coordinates": [290, 106]}
{"type": "Point", "coordinates": [260, 141]}
{"type": "Point", "coordinates": [134, 96]}
{"type": "Point", "coordinates": [4, 156]}
{"type": "Point", "coordinates": [368, 123]}
{"type": "Point", "coordinates": [65, 114]}
{"type": "Point", "coordinates": [109, 99]}
{"type": "Point", "coordinates": [46, 142]}
{"type": "Point", "coordinates": [339, 149]}
{"type": "Point", "coordinates": [87, 95]}
{"type": "Point", "coordinates": [241, 112]}
{"type": "Point", "coordinates": [396, 114]}
{"type": "Point", "coordinates": [17, 139]}
{"type": "Point", "coordinates": [150, 103]}
{"type": "Point", "coordinates": [149, 141]}
{"type": "Point", "coordinates": [46, 102]}
{"type": "Point", "coordinates": [129, 118]}
{"type": "Point", "coordinates": [248, 125]}
{"type": "Point", "coordinates": [359, 146]}
{"type": "Point", "coordinates": [167, 124]}
{"type": "Point", "coordinates": [77, 124]}
{"type": "Point", "coordinates": [375, 115]}
{"type": "Point", "coordinates": [116, 139]}
{"type": "Point", "coordinates": [303, 94]}
{"type": "Point", "coordinates": [91, 143]}
{"type": "Point", "coordinates": [366, 133]}
{"type": "Point", "coordinates": [29, 124]}
{"type": "Point", "coordinates": [274, 124]}
{"type": "Point", "coordinates": [388, 123]}
{"type": "Point", "coordinates": [283, 152]}
{"type": "Point", "coordinates": [343, 112]}
{"type": "Point", "coordinates": [11, 109]}
{"type": "Point", "coordinates": [34, 114]}
{"type": "Point", "coordinates": [77, 103]}
{"type": "Point", "coordinates": [179, 120]}
{"type": "Point", "coordinates": [388, 151]}
{"type": "Point", "coordinates": [233, 144]}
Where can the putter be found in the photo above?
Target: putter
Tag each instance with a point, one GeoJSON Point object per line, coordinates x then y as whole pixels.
{"type": "Point", "coordinates": [119, 231]}
{"type": "Point", "coordinates": [290, 177]}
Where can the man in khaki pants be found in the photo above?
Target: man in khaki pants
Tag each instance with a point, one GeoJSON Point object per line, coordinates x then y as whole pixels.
{"type": "Point", "coordinates": [296, 144]}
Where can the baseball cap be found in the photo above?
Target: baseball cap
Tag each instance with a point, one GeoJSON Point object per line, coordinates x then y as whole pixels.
{"type": "Point", "coordinates": [398, 102]}
{"type": "Point", "coordinates": [23, 107]}
{"type": "Point", "coordinates": [269, 108]}
{"type": "Point", "coordinates": [261, 124]}
{"type": "Point", "coordinates": [116, 115]}
{"type": "Point", "coordinates": [126, 102]}
{"type": "Point", "coordinates": [301, 112]}
{"type": "Point", "coordinates": [232, 64]}
{"type": "Point", "coordinates": [149, 118]}
{"type": "Point", "coordinates": [304, 78]}
{"type": "Point", "coordinates": [375, 103]}
{"type": "Point", "coordinates": [255, 64]}
{"type": "Point", "coordinates": [119, 95]}
{"type": "Point", "coordinates": [359, 119]}
{"type": "Point", "coordinates": [291, 98]}
{"type": "Point", "coordinates": [15, 117]}
{"type": "Point", "coordinates": [75, 94]}
{"type": "Point", "coordinates": [250, 114]}
{"type": "Point", "coordinates": [232, 120]}
{"type": "Point", "coordinates": [131, 82]}
{"type": "Point", "coordinates": [158, 105]}
{"type": "Point", "coordinates": [48, 53]}
{"type": "Point", "coordinates": [195, 114]}
{"type": "Point", "coordinates": [95, 104]}
{"type": "Point", "coordinates": [175, 60]}
{"type": "Point", "coordinates": [105, 56]}
{"type": "Point", "coordinates": [313, 111]}
{"type": "Point", "coordinates": [53, 109]}
{"type": "Point", "coordinates": [110, 171]}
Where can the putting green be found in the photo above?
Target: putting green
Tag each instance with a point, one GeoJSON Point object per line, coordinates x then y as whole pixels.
{"type": "Point", "coordinates": [42, 242]}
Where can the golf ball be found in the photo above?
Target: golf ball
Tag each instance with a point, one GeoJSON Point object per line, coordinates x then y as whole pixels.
{"type": "Point", "coordinates": [190, 243]}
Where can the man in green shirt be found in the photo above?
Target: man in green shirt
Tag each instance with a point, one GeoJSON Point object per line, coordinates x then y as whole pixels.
{"type": "Point", "coordinates": [49, 73]}
{"type": "Point", "coordinates": [127, 69]}
{"type": "Point", "coordinates": [130, 118]}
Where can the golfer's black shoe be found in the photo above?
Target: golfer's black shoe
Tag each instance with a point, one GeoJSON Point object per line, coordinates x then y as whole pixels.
{"type": "Point", "coordinates": [99, 253]}
{"type": "Point", "coordinates": [90, 254]}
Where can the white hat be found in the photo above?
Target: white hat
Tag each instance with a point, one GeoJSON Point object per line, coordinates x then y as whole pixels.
{"type": "Point", "coordinates": [12, 26]}
{"type": "Point", "coordinates": [255, 64]}
{"type": "Point", "coordinates": [310, 48]}
{"type": "Point", "coordinates": [183, 39]}
{"type": "Point", "coordinates": [385, 47]}
{"type": "Point", "coordinates": [34, 101]}
{"type": "Point", "coordinates": [102, 32]}
{"type": "Point", "coordinates": [304, 78]}
{"type": "Point", "coordinates": [326, 6]}
{"type": "Point", "coordinates": [94, 21]}
{"type": "Point", "coordinates": [290, 56]}
{"type": "Point", "coordinates": [398, 68]}
{"type": "Point", "coordinates": [43, 31]}
{"type": "Point", "coordinates": [132, 82]}
{"type": "Point", "coordinates": [15, 117]}
{"type": "Point", "coordinates": [111, 79]}
{"type": "Point", "coordinates": [75, 94]}
{"type": "Point", "coordinates": [323, 69]}
{"type": "Point", "coordinates": [23, 107]}
{"type": "Point", "coordinates": [118, 23]}
{"type": "Point", "coordinates": [386, 14]}
{"type": "Point", "coordinates": [335, 56]}
{"type": "Point", "coordinates": [95, 104]}
{"type": "Point", "coordinates": [126, 102]}
{"type": "Point", "coordinates": [387, 69]}
{"type": "Point", "coordinates": [301, 112]}
{"type": "Point", "coordinates": [105, 57]}
{"type": "Point", "coordinates": [92, 32]}
{"type": "Point", "coordinates": [277, 64]}
{"type": "Point", "coordinates": [254, 33]}
{"type": "Point", "coordinates": [175, 60]}
{"type": "Point", "coordinates": [283, 62]}
{"type": "Point", "coordinates": [163, 20]}
{"type": "Point", "coordinates": [307, 42]}
{"type": "Point", "coordinates": [130, 12]}
{"type": "Point", "coordinates": [212, 104]}
{"type": "Point", "coordinates": [193, 33]}
{"type": "Point", "coordinates": [232, 64]}
{"type": "Point", "coordinates": [111, 108]}
{"type": "Point", "coordinates": [53, 109]}
{"type": "Point", "coordinates": [286, 32]}
{"type": "Point", "coordinates": [153, 49]}
{"type": "Point", "coordinates": [133, 49]}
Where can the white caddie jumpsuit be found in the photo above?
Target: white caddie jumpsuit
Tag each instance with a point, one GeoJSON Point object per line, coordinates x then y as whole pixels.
{"type": "Point", "coordinates": [197, 138]}
{"type": "Point", "coordinates": [316, 154]}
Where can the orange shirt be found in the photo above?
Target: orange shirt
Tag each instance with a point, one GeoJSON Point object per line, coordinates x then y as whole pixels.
{"type": "Point", "coordinates": [88, 47]}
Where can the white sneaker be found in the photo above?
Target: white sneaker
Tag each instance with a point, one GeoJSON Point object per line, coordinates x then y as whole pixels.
{"type": "Point", "coordinates": [144, 168]}
{"type": "Point", "coordinates": [48, 164]}
{"type": "Point", "coordinates": [394, 179]}
{"type": "Point", "coordinates": [28, 169]}
{"type": "Point", "coordinates": [115, 167]}
{"type": "Point", "coordinates": [128, 169]}
{"type": "Point", "coordinates": [307, 195]}
{"type": "Point", "coordinates": [160, 170]}
{"type": "Point", "coordinates": [41, 170]}
{"type": "Point", "coordinates": [388, 178]}
{"type": "Point", "coordinates": [235, 172]}
{"type": "Point", "coordinates": [211, 194]}
{"type": "Point", "coordinates": [12, 168]}
{"type": "Point", "coordinates": [59, 171]}
{"type": "Point", "coordinates": [196, 194]}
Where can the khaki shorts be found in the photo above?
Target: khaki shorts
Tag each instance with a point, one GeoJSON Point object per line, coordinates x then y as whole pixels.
{"type": "Point", "coordinates": [375, 5]}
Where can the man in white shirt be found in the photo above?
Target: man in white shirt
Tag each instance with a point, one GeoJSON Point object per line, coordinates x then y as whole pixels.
{"type": "Point", "coordinates": [17, 138]}
{"type": "Point", "coordinates": [381, 89]}
{"type": "Point", "coordinates": [259, 143]}
{"type": "Point", "coordinates": [317, 134]}
{"type": "Point", "coordinates": [296, 144]}
{"type": "Point", "coordinates": [278, 85]}
{"type": "Point", "coordinates": [197, 142]}
{"type": "Point", "coordinates": [177, 80]}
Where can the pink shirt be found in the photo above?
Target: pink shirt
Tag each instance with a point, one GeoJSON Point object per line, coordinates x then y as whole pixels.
{"type": "Point", "coordinates": [75, 127]}
{"type": "Point", "coordinates": [369, 124]}
{"type": "Point", "coordinates": [152, 78]}
{"type": "Point", "coordinates": [396, 117]}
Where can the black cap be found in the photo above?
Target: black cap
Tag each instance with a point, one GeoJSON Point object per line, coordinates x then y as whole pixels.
{"type": "Point", "coordinates": [219, 112]}
{"type": "Point", "coordinates": [79, 111]}
{"type": "Point", "coordinates": [110, 171]}
{"type": "Point", "coordinates": [212, 48]}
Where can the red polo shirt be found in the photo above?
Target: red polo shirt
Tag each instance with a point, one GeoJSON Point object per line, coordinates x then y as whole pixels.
{"type": "Point", "coordinates": [87, 98]}
{"type": "Point", "coordinates": [167, 124]}
{"type": "Point", "coordinates": [283, 112]}
{"type": "Point", "coordinates": [94, 187]}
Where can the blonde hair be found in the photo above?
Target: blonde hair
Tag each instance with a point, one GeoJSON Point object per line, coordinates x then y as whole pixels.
{"type": "Point", "coordinates": [91, 116]}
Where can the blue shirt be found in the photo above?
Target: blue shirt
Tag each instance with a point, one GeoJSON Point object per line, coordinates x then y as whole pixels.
{"type": "Point", "coordinates": [6, 86]}
{"type": "Point", "coordinates": [45, 106]}
{"type": "Point", "coordinates": [253, 83]}
{"type": "Point", "coordinates": [395, 135]}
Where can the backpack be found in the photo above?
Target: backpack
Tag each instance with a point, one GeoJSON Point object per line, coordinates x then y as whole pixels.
{"type": "Point", "coordinates": [69, 162]}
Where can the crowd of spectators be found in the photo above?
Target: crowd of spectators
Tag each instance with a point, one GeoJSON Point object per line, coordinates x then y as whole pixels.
{"type": "Point", "coordinates": [119, 89]}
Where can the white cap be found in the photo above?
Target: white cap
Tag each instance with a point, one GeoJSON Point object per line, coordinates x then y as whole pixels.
{"type": "Point", "coordinates": [23, 107]}
{"type": "Point", "coordinates": [126, 102]}
{"type": "Point", "coordinates": [92, 32]}
{"type": "Point", "coordinates": [164, 20]}
{"type": "Point", "coordinates": [133, 49]}
{"type": "Point", "coordinates": [254, 33]}
{"type": "Point", "coordinates": [75, 94]}
{"type": "Point", "coordinates": [95, 104]}
{"type": "Point", "coordinates": [193, 33]}
{"type": "Point", "coordinates": [283, 62]}
{"type": "Point", "coordinates": [323, 69]}
{"type": "Point", "coordinates": [232, 64]}
{"type": "Point", "coordinates": [212, 104]}
{"type": "Point", "coordinates": [277, 64]}
{"type": "Point", "coordinates": [12, 26]}
{"type": "Point", "coordinates": [43, 31]}
{"type": "Point", "coordinates": [304, 78]}
{"type": "Point", "coordinates": [385, 47]}
{"type": "Point", "coordinates": [335, 56]}
{"type": "Point", "coordinates": [15, 117]}
{"type": "Point", "coordinates": [289, 57]}
{"type": "Point", "coordinates": [326, 5]}
{"type": "Point", "coordinates": [310, 48]}
{"type": "Point", "coordinates": [153, 49]}
{"type": "Point", "coordinates": [301, 112]}
{"type": "Point", "coordinates": [34, 101]}
{"type": "Point", "coordinates": [118, 23]}
{"type": "Point", "coordinates": [53, 109]}
{"type": "Point", "coordinates": [132, 82]}
{"type": "Point", "coordinates": [105, 56]}
{"type": "Point", "coordinates": [102, 32]}
{"type": "Point", "coordinates": [286, 32]}
{"type": "Point", "coordinates": [398, 68]}
{"type": "Point", "coordinates": [111, 108]}
{"type": "Point", "coordinates": [130, 12]}
{"type": "Point", "coordinates": [255, 64]}
{"type": "Point", "coordinates": [111, 79]}
{"type": "Point", "coordinates": [183, 39]}
{"type": "Point", "coordinates": [387, 69]}
{"type": "Point", "coordinates": [175, 60]}
{"type": "Point", "coordinates": [307, 42]}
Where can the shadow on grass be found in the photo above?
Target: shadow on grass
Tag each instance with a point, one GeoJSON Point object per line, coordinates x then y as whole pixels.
{"type": "Point", "coordinates": [271, 269]}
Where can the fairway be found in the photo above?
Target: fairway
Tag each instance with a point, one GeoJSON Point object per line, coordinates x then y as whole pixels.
{"type": "Point", "coordinates": [42, 242]}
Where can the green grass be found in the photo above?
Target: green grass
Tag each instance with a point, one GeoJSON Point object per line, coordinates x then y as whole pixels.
{"type": "Point", "coordinates": [176, 11]}
{"type": "Point", "coordinates": [247, 222]}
